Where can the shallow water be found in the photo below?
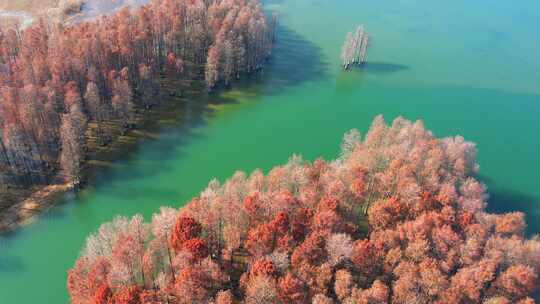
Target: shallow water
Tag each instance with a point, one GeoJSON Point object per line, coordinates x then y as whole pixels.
{"type": "Point", "coordinates": [470, 68]}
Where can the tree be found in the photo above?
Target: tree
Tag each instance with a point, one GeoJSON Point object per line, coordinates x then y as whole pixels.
{"type": "Point", "coordinates": [72, 134]}
{"type": "Point", "coordinates": [197, 248]}
{"type": "Point", "coordinates": [122, 99]}
{"type": "Point", "coordinates": [224, 297]}
{"type": "Point", "coordinates": [343, 284]}
{"type": "Point", "coordinates": [518, 281]}
{"type": "Point", "coordinates": [261, 290]}
{"type": "Point", "coordinates": [76, 286]}
{"type": "Point", "coordinates": [162, 227]}
{"type": "Point", "coordinates": [293, 290]}
{"type": "Point", "coordinates": [322, 299]}
{"type": "Point", "coordinates": [127, 295]}
{"type": "Point", "coordinates": [511, 224]}
{"type": "Point", "coordinates": [103, 295]}
{"type": "Point", "coordinates": [264, 267]}
{"type": "Point", "coordinates": [377, 294]}
{"type": "Point", "coordinates": [185, 229]}
{"type": "Point", "coordinates": [311, 251]}
{"type": "Point", "coordinates": [212, 65]}
{"type": "Point", "coordinates": [261, 240]}
{"type": "Point", "coordinates": [94, 103]}
{"type": "Point", "coordinates": [339, 248]}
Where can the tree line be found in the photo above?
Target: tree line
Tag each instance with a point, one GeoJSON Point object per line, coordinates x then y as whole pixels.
{"type": "Point", "coordinates": [56, 79]}
{"type": "Point", "coordinates": [397, 218]}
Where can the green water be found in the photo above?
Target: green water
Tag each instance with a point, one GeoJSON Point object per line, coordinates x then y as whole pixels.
{"type": "Point", "coordinates": [464, 67]}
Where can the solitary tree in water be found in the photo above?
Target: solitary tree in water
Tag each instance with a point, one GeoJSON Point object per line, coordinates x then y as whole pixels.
{"type": "Point", "coordinates": [354, 49]}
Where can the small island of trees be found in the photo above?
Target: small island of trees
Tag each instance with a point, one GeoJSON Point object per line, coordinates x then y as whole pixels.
{"type": "Point", "coordinates": [399, 217]}
{"type": "Point", "coordinates": [354, 51]}
{"type": "Point", "coordinates": [57, 80]}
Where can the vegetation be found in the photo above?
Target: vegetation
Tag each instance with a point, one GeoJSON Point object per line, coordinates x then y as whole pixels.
{"type": "Point", "coordinates": [354, 50]}
{"type": "Point", "coordinates": [397, 218]}
{"type": "Point", "coordinates": [55, 80]}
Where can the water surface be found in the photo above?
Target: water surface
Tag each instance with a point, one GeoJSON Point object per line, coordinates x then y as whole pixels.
{"type": "Point", "coordinates": [464, 67]}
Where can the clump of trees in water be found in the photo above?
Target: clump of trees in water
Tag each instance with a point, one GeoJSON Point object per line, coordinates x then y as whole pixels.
{"type": "Point", "coordinates": [55, 80]}
{"type": "Point", "coordinates": [397, 218]}
{"type": "Point", "coordinates": [354, 49]}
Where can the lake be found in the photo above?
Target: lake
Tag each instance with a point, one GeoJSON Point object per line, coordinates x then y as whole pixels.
{"type": "Point", "coordinates": [464, 67]}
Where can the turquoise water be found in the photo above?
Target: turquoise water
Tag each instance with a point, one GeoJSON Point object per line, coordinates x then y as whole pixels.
{"type": "Point", "coordinates": [469, 68]}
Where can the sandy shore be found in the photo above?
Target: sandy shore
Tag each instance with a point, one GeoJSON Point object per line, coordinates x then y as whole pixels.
{"type": "Point", "coordinates": [22, 212]}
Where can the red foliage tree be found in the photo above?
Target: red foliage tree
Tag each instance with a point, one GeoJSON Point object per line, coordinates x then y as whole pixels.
{"type": "Point", "coordinates": [518, 281]}
{"type": "Point", "coordinates": [127, 295]}
{"type": "Point", "coordinates": [261, 240]}
{"type": "Point", "coordinates": [102, 295]}
{"type": "Point", "coordinates": [186, 228]}
{"type": "Point", "coordinates": [301, 234]}
{"type": "Point", "coordinates": [293, 290]}
{"type": "Point", "coordinates": [224, 297]}
{"type": "Point", "coordinates": [264, 267]}
{"type": "Point", "coordinates": [311, 251]}
{"type": "Point", "coordinates": [511, 224]}
{"type": "Point", "coordinates": [197, 248]}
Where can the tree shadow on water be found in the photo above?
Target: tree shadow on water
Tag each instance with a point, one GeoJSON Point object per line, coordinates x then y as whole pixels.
{"type": "Point", "coordinates": [503, 200]}
{"type": "Point", "coordinates": [8, 264]}
{"type": "Point", "coordinates": [381, 68]}
{"type": "Point", "coordinates": [294, 61]}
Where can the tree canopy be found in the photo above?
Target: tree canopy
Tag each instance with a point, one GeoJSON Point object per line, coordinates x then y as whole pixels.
{"type": "Point", "coordinates": [55, 77]}
{"type": "Point", "coordinates": [399, 217]}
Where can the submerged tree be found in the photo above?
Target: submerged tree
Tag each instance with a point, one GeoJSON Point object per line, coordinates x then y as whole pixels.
{"type": "Point", "coordinates": [301, 235]}
{"type": "Point", "coordinates": [354, 50]}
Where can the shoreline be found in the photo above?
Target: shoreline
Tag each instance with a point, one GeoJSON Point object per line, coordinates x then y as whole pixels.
{"type": "Point", "coordinates": [22, 213]}
{"type": "Point", "coordinates": [40, 198]}
{"type": "Point", "coordinates": [176, 95]}
{"type": "Point", "coordinates": [19, 205]}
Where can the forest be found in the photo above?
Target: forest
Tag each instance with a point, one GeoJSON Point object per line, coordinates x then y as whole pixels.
{"type": "Point", "coordinates": [398, 217]}
{"type": "Point", "coordinates": [58, 80]}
